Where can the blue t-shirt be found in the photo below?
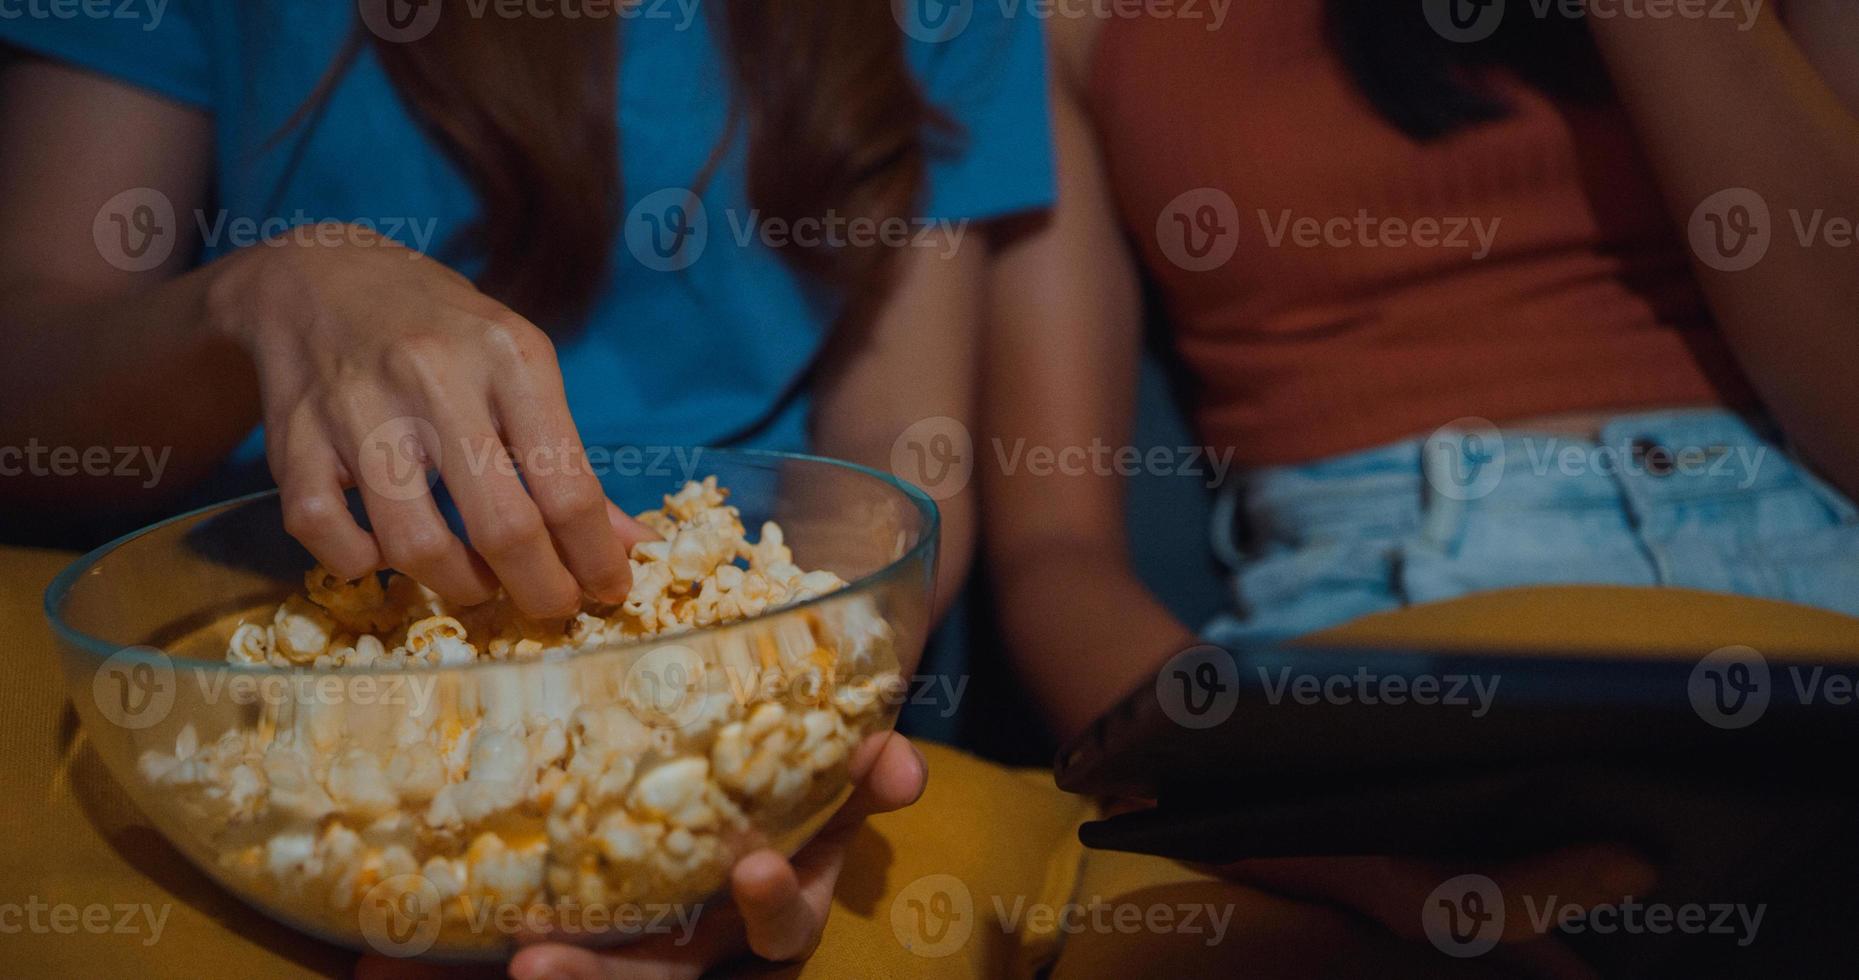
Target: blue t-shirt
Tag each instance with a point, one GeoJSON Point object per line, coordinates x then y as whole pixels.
{"type": "Point", "coordinates": [712, 353]}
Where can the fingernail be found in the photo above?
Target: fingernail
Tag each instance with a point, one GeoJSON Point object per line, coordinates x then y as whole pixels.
{"type": "Point", "coordinates": [545, 972]}
{"type": "Point", "coordinates": [922, 772]}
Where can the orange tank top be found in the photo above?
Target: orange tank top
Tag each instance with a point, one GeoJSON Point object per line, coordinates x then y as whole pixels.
{"type": "Point", "coordinates": [1333, 285]}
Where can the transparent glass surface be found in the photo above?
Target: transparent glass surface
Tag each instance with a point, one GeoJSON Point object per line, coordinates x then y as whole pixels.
{"type": "Point", "coordinates": [580, 841]}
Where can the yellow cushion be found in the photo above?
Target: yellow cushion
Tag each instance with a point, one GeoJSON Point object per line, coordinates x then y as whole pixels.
{"type": "Point", "coordinates": [970, 882]}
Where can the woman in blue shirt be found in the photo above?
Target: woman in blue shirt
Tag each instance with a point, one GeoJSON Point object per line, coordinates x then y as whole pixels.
{"type": "Point", "coordinates": [337, 237]}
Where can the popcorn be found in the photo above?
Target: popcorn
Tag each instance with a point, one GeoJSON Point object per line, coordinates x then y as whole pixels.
{"type": "Point", "coordinates": [773, 756]}
{"type": "Point", "coordinates": [571, 780]}
{"type": "Point", "coordinates": [439, 641]}
{"type": "Point", "coordinates": [360, 606]}
{"type": "Point", "coordinates": [251, 645]}
{"type": "Point", "coordinates": [358, 787]}
{"type": "Point", "coordinates": [301, 631]}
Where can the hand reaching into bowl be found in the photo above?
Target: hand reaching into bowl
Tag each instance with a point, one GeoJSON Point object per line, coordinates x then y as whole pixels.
{"type": "Point", "coordinates": [777, 910]}
{"type": "Point", "coordinates": [378, 368]}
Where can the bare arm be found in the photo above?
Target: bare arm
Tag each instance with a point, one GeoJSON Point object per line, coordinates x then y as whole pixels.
{"type": "Point", "coordinates": [915, 360]}
{"type": "Point", "coordinates": [1775, 110]}
{"type": "Point", "coordinates": [1062, 360]}
{"type": "Point", "coordinates": [97, 356]}
{"type": "Point", "coordinates": [354, 351]}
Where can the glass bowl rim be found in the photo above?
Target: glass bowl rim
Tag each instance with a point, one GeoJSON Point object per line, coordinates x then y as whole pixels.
{"type": "Point", "coordinates": [61, 585]}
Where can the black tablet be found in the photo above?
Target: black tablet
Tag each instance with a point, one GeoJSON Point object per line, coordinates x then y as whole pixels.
{"type": "Point", "coordinates": [1307, 751]}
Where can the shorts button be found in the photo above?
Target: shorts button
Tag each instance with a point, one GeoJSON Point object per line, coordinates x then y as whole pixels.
{"type": "Point", "coordinates": [1655, 459]}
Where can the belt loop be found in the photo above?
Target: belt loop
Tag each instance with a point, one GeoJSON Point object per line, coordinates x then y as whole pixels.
{"type": "Point", "coordinates": [1459, 465]}
{"type": "Point", "coordinates": [1223, 531]}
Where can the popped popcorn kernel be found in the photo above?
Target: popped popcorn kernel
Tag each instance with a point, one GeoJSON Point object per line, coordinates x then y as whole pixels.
{"type": "Point", "coordinates": [535, 785]}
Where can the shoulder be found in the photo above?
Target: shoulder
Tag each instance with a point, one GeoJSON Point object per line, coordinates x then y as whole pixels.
{"type": "Point", "coordinates": [983, 64]}
{"type": "Point", "coordinates": [1072, 41]}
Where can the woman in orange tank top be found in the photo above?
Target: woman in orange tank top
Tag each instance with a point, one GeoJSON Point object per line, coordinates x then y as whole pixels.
{"type": "Point", "coordinates": [1472, 294]}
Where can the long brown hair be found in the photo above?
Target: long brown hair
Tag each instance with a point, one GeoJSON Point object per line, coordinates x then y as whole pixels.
{"type": "Point", "coordinates": [1428, 86]}
{"type": "Point", "coordinates": [833, 116]}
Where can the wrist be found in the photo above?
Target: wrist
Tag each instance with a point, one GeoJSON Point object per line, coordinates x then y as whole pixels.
{"type": "Point", "coordinates": [236, 301]}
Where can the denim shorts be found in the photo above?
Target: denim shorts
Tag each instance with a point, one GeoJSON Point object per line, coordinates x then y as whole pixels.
{"type": "Point", "coordinates": [1694, 499]}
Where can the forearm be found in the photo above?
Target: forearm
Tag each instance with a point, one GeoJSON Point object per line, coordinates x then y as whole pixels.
{"type": "Point", "coordinates": [140, 371]}
{"type": "Point", "coordinates": [1081, 629]}
{"type": "Point", "coordinates": [911, 362]}
{"type": "Point", "coordinates": [1720, 108]}
{"type": "Point", "coordinates": [956, 544]}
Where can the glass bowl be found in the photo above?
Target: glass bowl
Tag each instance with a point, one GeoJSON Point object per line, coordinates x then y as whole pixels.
{"type": "Point", "coordinates": [602, 795]}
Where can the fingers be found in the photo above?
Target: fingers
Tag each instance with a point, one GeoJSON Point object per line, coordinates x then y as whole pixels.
{"type": "Point", "coordinates": [1396, 891]}
{"type": "Point", "coordinates": [592, 535]}
{"type": "Point", "coordinates": [889, 774]}
{"type": "Point", "coordinates": [389, 968]}
{"type": "Point", "coordinates": [316, 512]}
{"type": "Point", "coordinates": [630, 531]}
{"type": "Point", "coordinates": [780, 921]}
{"type": "Point", "coordinates": [391, 464]}
{"type": "Point", "coordinates": [717, 939]}
{"type": "Point", "coordinates": [779, 909]}
{"type": "Point", "coordinates": [1585, 875]}
{"type": "Point", "coordinates": [785, 906]}
{"type": "Point", "coordinates": [558, 962]}
{"type": "Point", "coordinates": [568, 494]}
{"type": "Point", "coordinates": [504, 524]}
